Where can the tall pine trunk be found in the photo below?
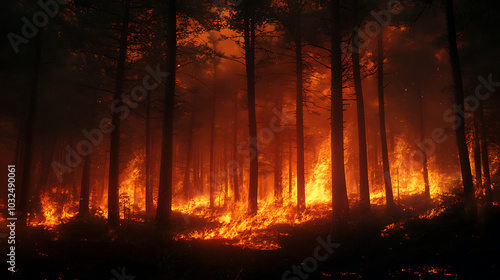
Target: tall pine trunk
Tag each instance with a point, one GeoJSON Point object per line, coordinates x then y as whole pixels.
{"type": "Point", "coordinates": [339, 188]}
{"type": "Point", "coordinates": [249, 36]}
{"type": "Point", "coordinates": [477, 152]}
{"type": "Point", "coordinates": [299, 101]}
{"type": "Point", "coordinates": [425, 168]}
{"type": "Point", "coordinates": [147, 159]}
{"type": "Point", "coordinates": [470, 203]}
{"type": "Point", "coordinates": [484, 155]}
{"type": "Point", "coordinates": [290, 172]}
{"type": "Point", "coordinates": [187, 172]}
{"type": "Point", "coordinates": [83, 209]}
{"type": "Point", "coordinates": [114, 152]}
{"type": "Point", "coordinates": [383, 133]}
{"type": "Point", "coordinates": [164, 207]}
{"type": "Point", "coordinates": [364, 185]}
{"type": "Point", "coordinates": [84, 206]}
{"type": "Point", "coordinates": [236, 170]}
{"type": "Point", "coordinates": [212, 176]}
{"type": "Point", "coordinates": [278, 172]}
{"type": "Point", "coordinates": [29, 134]}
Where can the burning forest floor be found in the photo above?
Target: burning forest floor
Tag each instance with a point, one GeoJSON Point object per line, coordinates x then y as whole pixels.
{"type": "Point", "coordinates": [410, 246]}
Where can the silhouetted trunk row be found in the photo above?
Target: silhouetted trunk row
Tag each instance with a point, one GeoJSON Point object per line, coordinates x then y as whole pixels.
{"type": "Point", "coordinates": [164, 207]}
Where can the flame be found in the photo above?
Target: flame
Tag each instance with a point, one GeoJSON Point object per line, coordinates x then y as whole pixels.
{"type": "Point", "coordinates": [56, 207]}
{"type": "Point", "coordinates": [236, 227]}
{"type": "Point", "coordinates": [230, 222]}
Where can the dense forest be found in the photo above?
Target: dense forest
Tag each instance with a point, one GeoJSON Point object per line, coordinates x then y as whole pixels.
{"type": "Point", "coordinates": [250, 139]}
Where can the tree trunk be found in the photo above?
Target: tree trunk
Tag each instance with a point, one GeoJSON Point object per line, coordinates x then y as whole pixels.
{"type": "Point", "coordinates": [84, 206]}
{"type": "Point", "coordinates": [364, 186]}
{"type": "Point", "coordinates": [425, 169]}
{"type": "Point", "coordinates": [147, 159]}
{"type": "Point", "coordinates": [236, 169]}
{"type": "Point", "coordinates": [301, 191]}
{"type": "Point", "coordinates": [383, 133]}
{"type": "Point", "coordinates": [212, 176]}
{"type": "Point", "coordinates": [83, 210]}
{"type": "Point", "coordinates": [339, 190]}
{"type": "Point", "coordinates": [469, 195]}
{"type": "Point", "coordinates": [290, 174]}
{"type": "Point", "coordinates": [164, 207]}
{"type": "Point", "coordinates": [477, 152]}
{"type": "Point", "coordinates": [196, 170]}
{"type": "Point", "coordinates": [224, 166]}
{"type": "Point", "coordinates": [278, 178]}
{"type": "Point", "coordinates": [29, 134]}
{"type": "Point", "coordinates": [36, 204]}
{"type": "Point", "coordinates": [249, 36]}
{"type": "Point", "coordinates": [114, 152]}
{"type": "Point", "coordinates": [187, 172]}
{"type": "Point", "coordinates": [484, 150]}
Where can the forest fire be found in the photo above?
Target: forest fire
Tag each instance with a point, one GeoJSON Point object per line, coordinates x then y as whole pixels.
{"type": "Point", "coordinates": [250, 139]}
{"type": "Point", "coordinates": [230, 223]}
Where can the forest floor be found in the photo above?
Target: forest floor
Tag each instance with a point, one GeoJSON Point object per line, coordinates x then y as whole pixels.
{"type": "Point", "coordinates": [442, 247]}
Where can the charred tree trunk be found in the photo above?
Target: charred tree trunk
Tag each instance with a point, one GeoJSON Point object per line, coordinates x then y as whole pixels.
{"type": "Point", "coordinates": [469, 195]}
{"type": "Point", "coordinates": [212, 176]}
{"type": "Point", "coordinates": [477, 152]}
{"type": "Point", "coordinates": [278, 177]}
{"type": "Point", "coordinates": [187, 172]}
{"type": "Point", "coordinates": [290, 174]}
{"type": "Point", "coordinates": [114, 151]}
{"type": "Point", "coordinates": [84, 206]}
{"type": "Point", "coordinates": [339, 189]}
{"type": "Point", "coordinates": [224, 166]}
{"type": "Point", "coordinates": [484, 151]}
{"type": "Point", "coordinates": [147, 159]}
{"type": "Point", "coordinates": [364, 186]}
{"type": "Point", "coordinates": [425, 169]}
{"type": "Point", "coordinates": [196, 170]}
{"type": "Point", "coordinates": [202, 174]}
{"type": "Point", "coordinates": [383, 133]}
{"type": "Point", "coordinates": [164, 207]}
{"type": "Point", "coordinates": [29, 135]}
{"type": "Point", "coordinates": [36, 204]}
{"type": "Point", "coordinates": [236, 169]}
{"type": "Point", "coordinates": [249, 36]}
{"type": "Point", "coordinates": [83, 209]}
{"type": "Point", "coordinates": [299, 101]}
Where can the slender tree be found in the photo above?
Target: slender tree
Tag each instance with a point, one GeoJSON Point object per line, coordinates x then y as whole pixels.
{"type": "Point", "coordinates": [383, 132]}
{"type": "Point", "coordinates": [235, 172]}
{"type": "Point", "coordinates": [299, 102]}
{"type": "Point", "coordinates": [29, 134]}
{"type": "Point", "coordinates": [83, 209]}
{"type": "Point", "coordinates": [212, 176]}
{"type": "Point", "coordinates": [469, 196]}
{"type": "Point", "coordinates": [483, 131]}
{"type": "Point", "coordinates": [114, 154]}
{"type": "Point", "coordinates": [290, 172]}
{"type": "Point", "coordinates": [249, 45]}
{"type": "Point", "coordinates": [164, 207]}
{"type": "Point", "coordinates": [364, 186]}
{"type": "Point", "coordinates": [425, 168]}
{"type": "Point", "coordinates": [147, 159]}
{"type": "Point", "coordinates": [339, 188]}
{"type": "Point", "coordinates": [187, 172]}
{"type": "Point", "coordinates": [278, 165]}
{"type": "Point", "coordinates": [477, 151]}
